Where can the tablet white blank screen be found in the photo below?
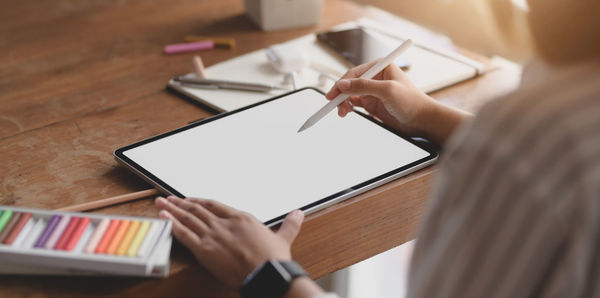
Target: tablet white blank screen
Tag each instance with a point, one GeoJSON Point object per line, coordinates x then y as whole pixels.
{"type": "Point", "coordinates": [255, 160]}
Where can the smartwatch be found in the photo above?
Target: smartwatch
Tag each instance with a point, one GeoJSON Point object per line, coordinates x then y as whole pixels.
{"type": "Point", "coordinates": [272, 279]}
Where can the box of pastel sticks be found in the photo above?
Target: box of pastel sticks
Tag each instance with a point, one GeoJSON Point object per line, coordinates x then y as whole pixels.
{"type": "Point", "coordinates": [36, 241]}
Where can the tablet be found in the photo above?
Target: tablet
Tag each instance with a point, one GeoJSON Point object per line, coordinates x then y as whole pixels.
{"type": "Point", "coordinates": [253, 159]}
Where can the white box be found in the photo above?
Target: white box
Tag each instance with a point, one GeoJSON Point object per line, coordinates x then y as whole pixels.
{"type": "Point", "coordinates": [284, 14]}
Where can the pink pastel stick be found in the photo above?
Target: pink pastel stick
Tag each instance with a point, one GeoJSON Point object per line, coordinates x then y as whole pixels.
{"type": "Point", "coordinates": [189, 46]}
{"type": "Point", "coordinates": [91, 245]}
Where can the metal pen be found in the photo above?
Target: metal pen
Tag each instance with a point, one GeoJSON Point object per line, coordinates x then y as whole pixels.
{"type": "Point", "coordinates": [224, 84]}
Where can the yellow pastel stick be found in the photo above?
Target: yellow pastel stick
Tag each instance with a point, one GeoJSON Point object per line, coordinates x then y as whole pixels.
{"type": "Point", "coordinates": [219, 42]}
{"type": "Point", "coordinates": [137, 240]}
{"type": "Point", "coordinates": [126, 242]}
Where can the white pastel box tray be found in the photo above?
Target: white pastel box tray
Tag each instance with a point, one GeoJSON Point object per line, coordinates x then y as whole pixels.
{"type": "Point", "coordinates": [23, 258]}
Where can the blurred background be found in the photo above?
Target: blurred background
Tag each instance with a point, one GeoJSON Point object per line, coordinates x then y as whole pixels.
{"type": "Point", "coordinates": [491, 27]}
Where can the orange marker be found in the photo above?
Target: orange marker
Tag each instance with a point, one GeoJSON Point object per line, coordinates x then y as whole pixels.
{"type": "Point", "coordinates": [81, 226]}
{"type": "Point", "coordinates": [66, 235]}
{"type": "Point", "coordinates": [108, 235]}
{"type": "Point", "coordinates": [116, 240]}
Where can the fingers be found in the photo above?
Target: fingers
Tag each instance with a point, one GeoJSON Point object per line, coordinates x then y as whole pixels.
{"type": "Point", "coordinates": [181, 232]}
{"type": "Point", "coordinates": [194, 218]}
{"type": "Point", "coordinates": [291, 226]}
{"type": "Point", "coordinates": [377, 88]}
{"type": "Point", "coordinates": [344, 108]}
{"type": "Point", "coordinates": [352, 73]}
{"type": "Point", "coordinates": [216, 208]}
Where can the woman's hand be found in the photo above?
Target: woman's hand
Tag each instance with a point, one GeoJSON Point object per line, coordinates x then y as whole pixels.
{"type": "Point", "coordinates": [228, 242]}
{"type": "Point", "coordinates": [392, 98]}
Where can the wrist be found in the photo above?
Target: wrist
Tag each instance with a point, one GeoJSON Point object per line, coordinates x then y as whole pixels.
{"type": "Point", "coordinates": [438, 121]}
{"type": "Point", "coordinates": [303, 287]}
{"type": "Point", "coordinates": [422, 123]}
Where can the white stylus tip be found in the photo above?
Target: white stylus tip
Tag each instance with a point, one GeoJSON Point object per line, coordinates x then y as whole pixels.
{"type": "Point", "coordinates": [304, 126]}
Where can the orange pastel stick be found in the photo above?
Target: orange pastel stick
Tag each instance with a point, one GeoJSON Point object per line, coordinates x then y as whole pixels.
{"type": "Point", "coordinates": [62, 241]}
{"type": "Point", "coordinates": [81, 226]}
{"type": "Point", "coordinates": [108, 235]}
{"type": "Point", "coordinates": [114, 243]}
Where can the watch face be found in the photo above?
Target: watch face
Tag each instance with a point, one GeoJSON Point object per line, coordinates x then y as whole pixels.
{"type": "Point", "coordinates": [269, 280]}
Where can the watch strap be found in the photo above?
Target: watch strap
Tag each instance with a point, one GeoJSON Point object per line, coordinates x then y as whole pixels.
{"type": "Point", "coordinates": [271, 280]}
{"type": "Point", "coordinates": [294, 269]}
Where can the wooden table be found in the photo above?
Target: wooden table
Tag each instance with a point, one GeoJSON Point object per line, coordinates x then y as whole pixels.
{"type": "Point", "coordinates": [81, 78]}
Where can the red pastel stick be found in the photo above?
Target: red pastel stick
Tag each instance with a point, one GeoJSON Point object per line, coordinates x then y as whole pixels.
{"type": "Point", "coordinates": [17, 228]}
{"type": "Point", "coordinates": [83, 223]}
{"type": "Point", "coordinates": [62, 241]}
{"type": "Point", "coordinates": [108, 235]}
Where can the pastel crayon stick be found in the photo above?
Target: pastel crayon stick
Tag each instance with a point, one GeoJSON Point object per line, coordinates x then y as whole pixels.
{"type": "Point", "coordinates": [9, 226]}
{"type": "Point", "coordinates": [189, 46]}
{"type": "Point", "coordinates": [150, 239]}
{"type": "Point", "coordinates": [135, 225]}
{"type": "Point", "coordinates": [58, 231]}
{"type": "Point", "coordinates": [47, 231]}
{"type": "Point", "coordinates": [77, 232]}
{"type": "Point", "coordinates": [137, 240]}
{"type": "Point", "coordinates": [4, 218]}
{"type": "Point", "coordinates": [220, 42]}
{"type": "Point", "coordinates": [62, 241]}
{"type": "Point", "coordinates": [108, 236]}
{"type": "Point", "coordinates": [35, 233]}
{"type": "Point", "coordinates": [85, 237]}
{"type": "Point", "coordinates": [118, 238]}
{"type": "Point", "coordinates": [19, 226]}
{"type": "Point", "coordinates": [97, 236]}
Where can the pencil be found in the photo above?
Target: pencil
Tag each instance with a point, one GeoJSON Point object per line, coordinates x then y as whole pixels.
{"type": "Point", "coordinates": [199, 67]}
{"type": "Point", "coordinates": [110, 201]}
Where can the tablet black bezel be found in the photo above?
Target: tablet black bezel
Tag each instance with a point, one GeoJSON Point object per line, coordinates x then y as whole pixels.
{"type": "Point", "coordinates": [119, 154]}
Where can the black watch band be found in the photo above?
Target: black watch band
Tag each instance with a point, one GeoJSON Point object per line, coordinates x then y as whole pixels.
{"type": "Point", "coordinates": [272, 279]}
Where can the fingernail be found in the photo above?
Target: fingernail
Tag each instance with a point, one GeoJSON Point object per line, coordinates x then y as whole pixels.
{"type": "Point", "coordinates": [171, 198]}
{"type": "Point", "coordinates": [164, 214]}
{"type": "Point", "coordinates": [160, 201]}
{"type": "Point", "coordinates": [344, 85]}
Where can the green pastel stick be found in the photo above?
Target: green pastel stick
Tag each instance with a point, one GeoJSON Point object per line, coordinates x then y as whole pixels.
{"type": "Point", "coordinates": [4, 218]}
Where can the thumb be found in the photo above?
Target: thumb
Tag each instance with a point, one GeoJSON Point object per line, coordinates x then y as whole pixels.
{"type": "Point", "coordinates": [361, 86]}
{"type": "Point", "coordinates": [291, 226]}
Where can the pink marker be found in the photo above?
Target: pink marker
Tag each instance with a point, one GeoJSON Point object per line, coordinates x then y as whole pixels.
{"type": "Point", "coordinates": [189, 46]}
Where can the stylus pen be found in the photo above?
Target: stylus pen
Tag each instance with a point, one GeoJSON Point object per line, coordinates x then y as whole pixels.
{"type": "Point", "coordinates": [222, 84]}
{"type": "Point", "coordinates": [369, 74]}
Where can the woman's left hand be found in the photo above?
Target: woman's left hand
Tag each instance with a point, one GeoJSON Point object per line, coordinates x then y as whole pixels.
{"type": "Point", "coordinates": [228, 242]}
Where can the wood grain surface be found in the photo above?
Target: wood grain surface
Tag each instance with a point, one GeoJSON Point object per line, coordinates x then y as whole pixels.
{"type": "Point", "coordinates": [79, 79]}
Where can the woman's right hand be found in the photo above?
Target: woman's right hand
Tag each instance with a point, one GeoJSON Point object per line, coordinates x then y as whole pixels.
{"type": "Point", "coordinates": [392, 98]}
